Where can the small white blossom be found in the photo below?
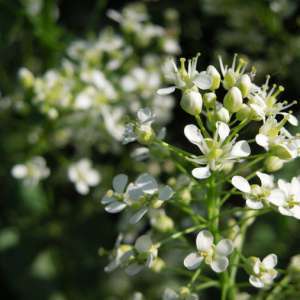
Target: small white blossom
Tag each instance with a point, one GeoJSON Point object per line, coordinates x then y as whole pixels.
{"type": "Point", "coordinates": [263, 272]}
{"type": "Point", "coordinates": [32, 171]}
{"type": "Point", "coordinates": [115, 201]}
{"type": "Point", "coordinates": [287, 197]}
{"type": "Point", "coordinates": [256, 196]}
{"type": "Point", "coordinates": [83, 176]}
{"type": "Point", "coordinates": [145, 194]}
{"type": "Point", "coordinates": [216, 153]}
{"type": "Point", "coordinates": [211, 254]}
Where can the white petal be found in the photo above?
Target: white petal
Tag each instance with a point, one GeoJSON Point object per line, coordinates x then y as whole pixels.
{"type": "Point", "coordinates": [19, 171]}
{"type": "Point", "coordinates": [145, 115]}
{"type": "Point", "coordinates": [93, 178]}
{"type": "Point", "coordinates": [143, 243]}
{"type": "Point", "coordinates": [165, 193]}
{"type": "Point", "coordinates": [192, 261]}
{"type": "Point", "coordinates": [276, 197]}
{"type": "Point", "coordinates": [119, 183]}
{"type": "Point", "coordinates": [224, 247]}
{"type": "Point", "coordinates": [223, 130]}
{"type": "Point", "coordinates": [254, 204]}
{"type": "Point", "coordinates": [270, 261]}
{"type": "Point", "coordinates": [166, 91]}
{"type": "Point", "coordinates": [82, 188]}
{"type": "Point", "coordinates": [204, 240]}
{"type": "Point", "coordinates": [265, 179]}
{"type": "Point", "coordinates": [201, 173]}
{"type": "Point", "coordinates": [292, 120]}
{"type": "Point", "coordinates": [262, 140]}
{"type": "Point", "coordinates": [193, 134]}
{"type": "Point", "coordinates": [202, 81]}
{"type": "Point", "coordinates": [241, 149]}
{"type": "Point", "coordinates": [147, 183]}
{"type": "Point", "coordinates": [115, 207]}
{"type": "Point", "coordinates": [133, 269]}
{"type": "Point", "coordinates": [107, 200]}
{"type": "Point", "coordinates": [284, 211]}
{"type": "Point", "coordinates": [296, 212]}
{"type": "Point", "coordinates": [138, 216]}
{"type": "Point", "coordinates": [256, 282]}
{"type": "Point", "coordinates": [241, 184]}
{"type": "Point", "coordinates": [219, 264]}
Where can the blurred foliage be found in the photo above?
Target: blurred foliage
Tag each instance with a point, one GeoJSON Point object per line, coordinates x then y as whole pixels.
{"type": "Point", "coordinates": [50, 235]}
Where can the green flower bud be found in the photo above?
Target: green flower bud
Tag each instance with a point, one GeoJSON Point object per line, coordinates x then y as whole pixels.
{"type": "Point", "coordinates": [26, 77]}
{"type": "Point", "coordinates": [244, 112]}
{"type": "Point", "coordinates": [244, 84]}
{"type": "Point", "coordinates": [209, 99]}
{"type": "Point", "coordinates": [233, 100]}
{"type": "Point", "coordinates": [229, 79]}
{"type": "Point", "coordinates": [158, 265]}
{"type": "Point", "coordinates": [223, 115]}
{"type": "Point", "coordinates": [191, 102]}
{"type": "Point", "coordinates": [215, 77]}
{"type": "Point", "coordinates": [273, 163]}
{"type": "Point", "coordinates": [145, 134]}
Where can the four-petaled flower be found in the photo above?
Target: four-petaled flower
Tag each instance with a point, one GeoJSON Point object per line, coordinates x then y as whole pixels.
{"type": "Point", "coordinates": [263, 272]}
{"type": "Point", "coordinates": [211, 254]}
{"type": "Point", "coordinates": [216, 151]}
{"type": "Point", "coordinates": [256, 195]}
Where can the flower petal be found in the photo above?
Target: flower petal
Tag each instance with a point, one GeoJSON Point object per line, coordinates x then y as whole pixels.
{"type": "Point", "coordinates": [119, 183]}
{"type": "Point", "coordinates": [254, 204]}
{"type": "Point", "coordinates": [202, 81]}
{"type": "Point", "coordinates": [169, 294]}
{"type": "Point", "coordinates": [265, 179]}
{"type": "Point", "coordinates": [223, 130]}
{"type": "Point", "coordinates": [192, 261]}
{"type": "Point", "coordinates": [270, 261]}
{"type": "Point", "coordinates": [241, 184]}
{"type": "Point", "coordinates": [115, 207]}
{"type": "Point", "coordinates": [193, 134]}
{"type": "Point", "coordinates": [143, 243]}
{"type": "Point", "coordinates": [262, 140]}
{"type": "Point", "coordinates": [276, 197]}
{"type": "Point", "coordinates": [138, 215]}
{"type": "Point", "coordinates": [133, 269]}
{"type": "Point", "coordinates": [256, 282]}
{"type": "Point", "coordinates": [204, 240]}
{"type": "Point", "coordinates": [165, 193]}
{"type": "Point", "coordinates": [201, 173]}
{"type": "Point", "coordinates": [219, 264]}
{"type": "Point", "coordinates": [166, 90]}
{"type": "Point", "coordinates": [224, 247]}
{"type": "Point", "coordinates": [241, 149]}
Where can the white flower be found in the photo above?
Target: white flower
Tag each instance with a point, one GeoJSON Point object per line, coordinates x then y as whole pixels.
{"type": "Point", "coordinates": [31, 171]}
{"type": "Point", "coordinates": [145, 194]}
{"type": "Point", "coordinates": [263, 272]}
{"type": "Point", "coordinates": [213, 255]}
{"type": "Point", "coordinates": [187, 79]}
{"type": "Point", "coordinates": [143, 255]}
{"type": "Point", "coordinates": [141, 130]}
{"type": "Point", "coordinates": [83, 176]}
{"type": "Point", "coordinates": [115, 201]}
{"type": "Point", "coordinates": [216, 153]}
{"type": "Point", "coordinates": [256, 196]}
{"type": "Point", "coordinates": [184, 294]}
{"type": "Point", "coordinates": [287, 197]}
{"type": "Point", "coordinates": [273, 137]}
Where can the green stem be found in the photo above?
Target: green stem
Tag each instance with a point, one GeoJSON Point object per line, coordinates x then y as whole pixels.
{"type": "Point", "coordinates": [279, 287]}
{"type": "Point", "coordinates": [202, 127]}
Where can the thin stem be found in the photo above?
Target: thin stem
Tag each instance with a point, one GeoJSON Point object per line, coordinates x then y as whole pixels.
{"type": "Point", "coordinates": [207, 285]}
{"type": "Point", "coordinates": [201, 125]}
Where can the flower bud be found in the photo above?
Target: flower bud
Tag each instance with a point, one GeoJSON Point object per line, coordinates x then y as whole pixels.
{"type": "Point", "coordinates": [244, 84]}
{"type": "Point", "coordinates": [295, 264]}
{"type": "Point", "coordinates": [26, 77]}
{"type": "Point", "coordinates": [215, 77]}
{"type": "Point", "coordinates": [282, 152]}
{"type": "Point", "coordinates": [209, 99]}
{"type": "Point", "coordinates": [233, 100]}
{"type": "Point", "coordinates": [243, 113]}
{"type": "Point", "coordinates": [223, 115]}
{"type": "Point", "coordinates": [229, 79]}
{"type": "Point", "coordinates": [158, 265]}
{"type": "Point", "coordinates": [145, 134]}
{"type": "Point", "coordinates": [191, 102]}
{"type": "Point", "coordinates": [273, 163]}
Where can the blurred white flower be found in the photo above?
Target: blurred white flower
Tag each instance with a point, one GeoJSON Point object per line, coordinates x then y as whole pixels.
{"type": "Point", "coordinates": [83, 176]}
{"type": "Point", "coordinates": [32, 171]}
{"type": "Point", "coordinates": [213, 255]}
{"type": "Point", "coordinates": [184, 294]}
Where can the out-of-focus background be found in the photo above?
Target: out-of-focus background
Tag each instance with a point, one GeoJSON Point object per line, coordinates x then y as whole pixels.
{"type": "Point", "coordinates": [50, 234]}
